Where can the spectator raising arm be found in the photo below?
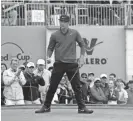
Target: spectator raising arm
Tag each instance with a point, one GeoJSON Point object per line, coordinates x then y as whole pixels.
{"type": "Point", "coordinates": [22, 79]}
{"type": "Point", "coordinates": [7, 79]}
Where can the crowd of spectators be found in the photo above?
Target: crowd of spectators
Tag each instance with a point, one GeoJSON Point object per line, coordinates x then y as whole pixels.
{"type": "Point", "coordinates": [106, 90]}
{"type": "Point", "coordinates": [28, 84]}
{"type": "Point", "coordinates": [24, 84]}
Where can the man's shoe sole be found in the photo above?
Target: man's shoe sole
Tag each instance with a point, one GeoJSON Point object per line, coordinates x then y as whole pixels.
{"type": "Point", "coordinates": [43, 111]}
{"type": "Point", "coordinates": [85, 112]}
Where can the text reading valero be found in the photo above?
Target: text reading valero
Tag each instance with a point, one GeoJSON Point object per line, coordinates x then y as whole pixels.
{"type": "Point", "coordinates": [96, 61]}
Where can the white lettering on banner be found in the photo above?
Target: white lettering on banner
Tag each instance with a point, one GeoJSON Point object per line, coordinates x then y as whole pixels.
{"type": "Point", "coordinates": [38, 16]}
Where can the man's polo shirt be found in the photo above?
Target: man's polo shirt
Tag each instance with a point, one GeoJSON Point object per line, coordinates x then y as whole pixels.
{"type": "Point", "coordinates": [65, 45]}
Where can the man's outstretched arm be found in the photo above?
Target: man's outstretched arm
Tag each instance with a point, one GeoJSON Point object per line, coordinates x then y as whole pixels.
{"type": "Point", "coordinates": [82, 47]}
{"type": "Point", "coordinates": [51, 46]}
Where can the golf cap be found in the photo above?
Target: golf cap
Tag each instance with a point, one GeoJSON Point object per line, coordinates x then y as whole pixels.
{"type": "Point", "coordinates": [64, 18]}
{"type": "Point", "coordinates": [30, 64]}
{"type": "Point", "coordinates": [103, 76]}
{"type": "Point", "coordinates": [41, 62]}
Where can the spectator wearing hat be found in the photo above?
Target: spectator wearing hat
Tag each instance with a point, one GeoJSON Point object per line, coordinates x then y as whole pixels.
{"type": "Point", "coordinates": [91, 77]}
{"type": "Point", "coordinates": [104, 84]}
{"type": "Point", "coordinates": [123, 95]}
{"type": "Point", "coordinates": [13, 79]}
{"type": "Point", "coordinates": [130, 92]}
{"type": "Point", "coordinates": [97, 94]}
{"type": "Point", "coordinates": [103, 78]}
{"type": "Point", "coordinates": [113, 94]}
{"type": "Point", "coordinates": [45, 74]}
{"type": "Point", "coordinates": [31, 88]}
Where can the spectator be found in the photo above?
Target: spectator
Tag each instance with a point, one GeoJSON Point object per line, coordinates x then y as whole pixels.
{"type": "Point", "coordinates": [31, 88]}
{"type": "Point", "coordinates": [91, 77]}
{"type": "Point", "coordinates": [84, 85]}
{"type": "Point", "coordinates": [13, 80]}
{"type": "Point", "coordinates": [112, 76]}
{"type": "Point", "coordinates": [25, 64]}
{"type": "Point", "coordinates": [62, 94]}
{"type": "Point", "coordinates": [88, 89]}
{"type": "Point", "coordinates": [130, 92]}
{"type": "Point", "coordinates": [104, 84]}
{"type": "Point", "coordinates": [13, 17]}
{"type": "Point", "coordinates": [50, 69]}
{"type": "Point", "coordinates": [65, 90]}
{"type": "Point", "coordinates": [123, 95]}
{"type": "Point", "coordinates": [22, 67]}
{"type": "Point", "coordinates": [45, 74]}
{"type": "Point", "coordinates": [113, 94]}
{"type": "Point", "coordinates": [67, 83]}
{"type": "Point", "coordinates": [3, 68]}
{"type": "Point", "coordinates": [97, 94]}
{"type": "Point", "coordinates": [9, 9]}
{"type": "Point", "coordinates": [68, 87]}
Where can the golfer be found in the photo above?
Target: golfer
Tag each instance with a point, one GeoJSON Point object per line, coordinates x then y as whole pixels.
{"type": "Point", "coordinates": [63, 41]}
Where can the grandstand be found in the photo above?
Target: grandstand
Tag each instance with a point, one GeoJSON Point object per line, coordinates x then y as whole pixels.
{"type": "Point", "coordinates": [47, 12]}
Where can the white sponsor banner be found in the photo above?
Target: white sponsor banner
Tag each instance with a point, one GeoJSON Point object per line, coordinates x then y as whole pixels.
{"type": "Point", "coordinates": [38, 16]}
